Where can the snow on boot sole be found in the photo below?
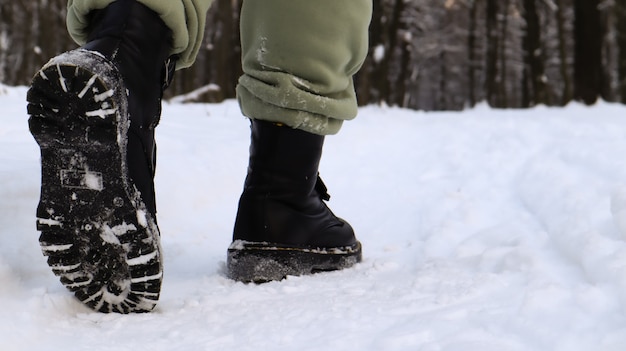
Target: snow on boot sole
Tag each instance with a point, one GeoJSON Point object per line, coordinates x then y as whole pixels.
{"type": "Point", "coordinates": [263, 262]}
{"type": "Point", "coordinates": [96, 231]}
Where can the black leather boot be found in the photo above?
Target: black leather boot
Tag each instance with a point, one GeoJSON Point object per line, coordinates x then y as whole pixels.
{"type": "Point", "coordinates": [283, 227]}
{"type": "Point", "coordinates": [93, 111]}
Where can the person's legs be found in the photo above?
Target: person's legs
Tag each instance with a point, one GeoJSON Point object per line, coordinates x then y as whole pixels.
{"type": "Point", "coordinates": [185, 18]}
{"type": "Point", "coordinates": [299, 57]}
{"type": "Point", "coordinates": [93, 111]}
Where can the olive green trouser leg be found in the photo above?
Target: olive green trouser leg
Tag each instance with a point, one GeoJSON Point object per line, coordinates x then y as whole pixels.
{"type": "Point", "coordinates": [186, 19]}
{"type": "Point", "coordinates": [299, 58]}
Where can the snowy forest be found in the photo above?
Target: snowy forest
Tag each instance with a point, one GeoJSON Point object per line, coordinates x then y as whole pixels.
{"type": "Point", "coordinates": [424, 54]}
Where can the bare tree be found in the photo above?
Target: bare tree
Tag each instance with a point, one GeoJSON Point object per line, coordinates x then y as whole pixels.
{"type": "Point", "coordinates": [427, 54]}
{"type": "Point", "coordinates": [535, 88]}
{"type": "Point", "coordinates": [589, 34]}
{"type": "Point", "coordinates": [564, 65]}
{"type": "Point", "coordinates": [620, 22]}
{"type": "Point", "coordinates": [473, 50]}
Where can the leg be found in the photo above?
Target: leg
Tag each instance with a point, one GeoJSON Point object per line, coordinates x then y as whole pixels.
{"type": "Point", "coordinates": [93, 112]}
{"type": "Point", "coordinates": [186, 19]}
{"type": "Point", "coordinates": [298, 58]}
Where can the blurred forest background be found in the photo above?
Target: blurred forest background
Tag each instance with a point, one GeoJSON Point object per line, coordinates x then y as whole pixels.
{"type": "Point", "coordinates": [424, 54]}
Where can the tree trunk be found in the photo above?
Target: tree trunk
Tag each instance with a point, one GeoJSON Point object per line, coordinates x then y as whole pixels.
{"type": "Point", "coordinates": [493, 44]}
{"type": "Point", "coordinates": [589, 35]}
{"type": "Point", "coordinates": [396, 85]}
{"type": "Point", "coordinates": [471, 49]}
{"type": "Point", "coordinates": [620, 20]}
{"type": "Point", "coordinates": [567, 93]}
{"type": "Point", "coordinates": [502, 95]}
{"type": "Point", "coordinates": [535, 89]}
{"type": "Point", "coordinates": [380, 35]}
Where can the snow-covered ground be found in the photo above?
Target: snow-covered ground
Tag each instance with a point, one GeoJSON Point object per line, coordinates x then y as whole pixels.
{"type": "Point", "coordinates": [486, 230]}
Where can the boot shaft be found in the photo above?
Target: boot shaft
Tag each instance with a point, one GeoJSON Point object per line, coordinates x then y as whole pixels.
{"type": "Point", "coordinates": [282, 201]}
{"type": "Point", "coordinates": [284, 153]}
{"type": "Point", "coordinates": [138, 42]}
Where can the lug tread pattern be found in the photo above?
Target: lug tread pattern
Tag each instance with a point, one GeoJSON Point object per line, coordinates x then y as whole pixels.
{"type": "Point", "coordinates": [98, 237]}
{"type": "Point", "coordinates": [260, 262]}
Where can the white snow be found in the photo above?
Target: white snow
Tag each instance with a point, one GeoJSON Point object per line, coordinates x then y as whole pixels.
{"type": "Point", "coordinates": [142, 218]}
{"type": "Point", "coordinates": [142, 259]}
{"type": "Point", "coordinates": [111, 234]}
{"type": "Point", "coordinates": [379, 53]}
{"type": "Point", "coordinates": [61, 79]}
{"type": "Point", "coordinates": [87, 86]}
{"type": "Point", "coordinates": [56, 247]}
{"type": "Point", "coordinates": [93, 180]}
{"type": "Point", "coordinates": [103, 96]}
{"type": "Point", "coordinates": [484, 230]}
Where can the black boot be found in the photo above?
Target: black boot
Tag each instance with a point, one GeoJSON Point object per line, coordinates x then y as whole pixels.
{"type": "Point", "coordinates": [93, 111]}
{"type": "Point", "coordinates": [283, 227]}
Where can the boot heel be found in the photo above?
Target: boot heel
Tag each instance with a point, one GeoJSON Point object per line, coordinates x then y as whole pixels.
{"type": "Point", "coordinates": [75, 98]}
{"type": "Point", "coordinates": [251, 262]}
{"type": "Point", "coordinates": [98, 235]}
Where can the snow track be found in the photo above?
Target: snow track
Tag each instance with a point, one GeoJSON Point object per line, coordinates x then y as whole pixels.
{"type": "Point", "coordinates": [486, 230]}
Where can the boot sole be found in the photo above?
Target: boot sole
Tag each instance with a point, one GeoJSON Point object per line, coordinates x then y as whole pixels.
{"type": "Point", "coordinates": [95, 230]}
{"type": "Point", "coordinates": [254, 262]}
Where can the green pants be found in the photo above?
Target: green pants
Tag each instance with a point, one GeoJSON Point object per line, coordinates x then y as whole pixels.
{"type": "Point", "coordinates": [298, 56]}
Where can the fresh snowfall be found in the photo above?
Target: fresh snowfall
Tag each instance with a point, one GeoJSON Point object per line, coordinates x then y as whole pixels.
{"type": "Point", "coordinates": [483, 230]}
